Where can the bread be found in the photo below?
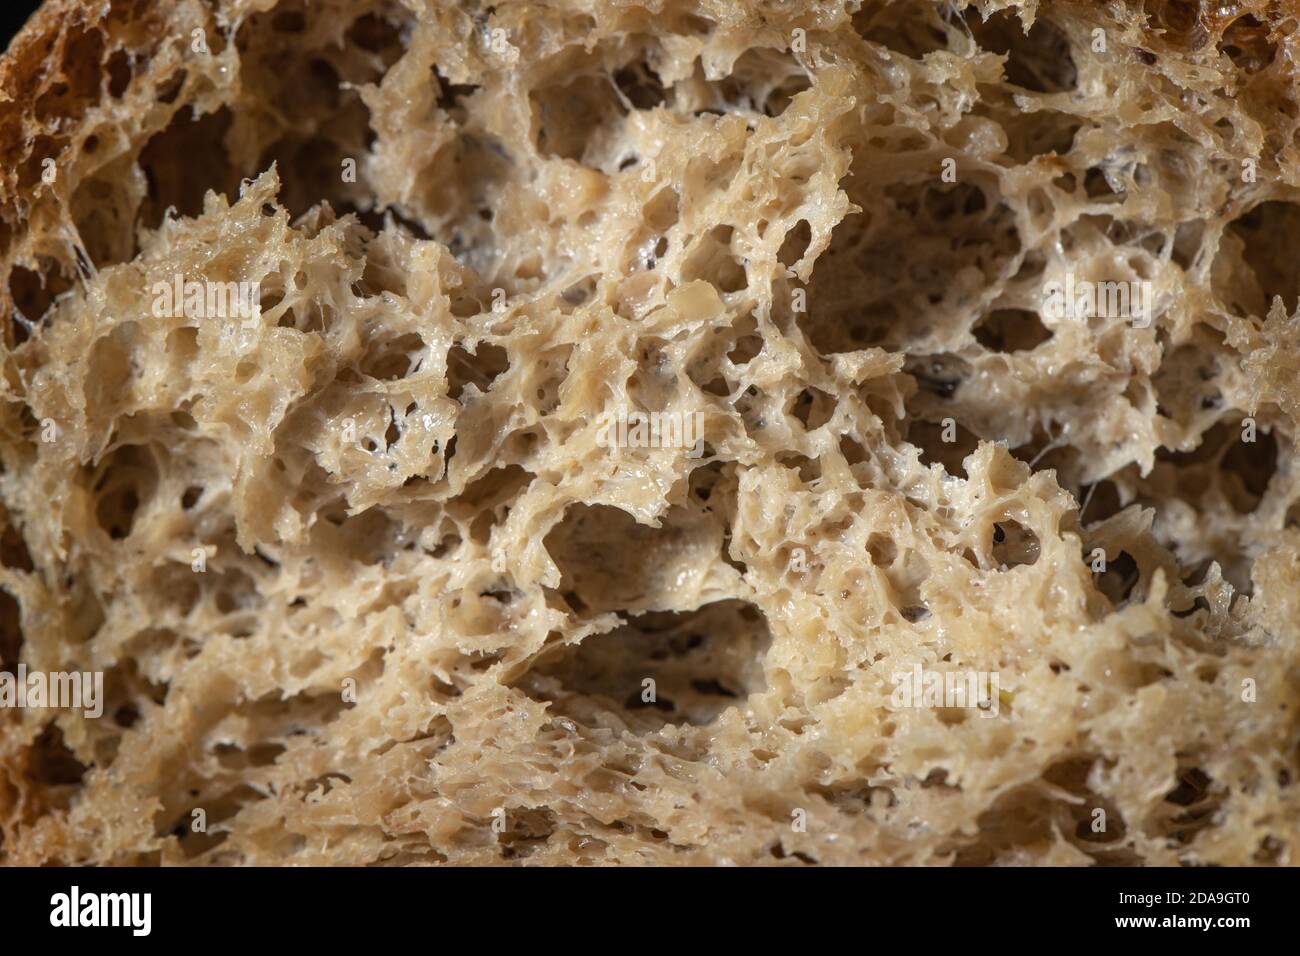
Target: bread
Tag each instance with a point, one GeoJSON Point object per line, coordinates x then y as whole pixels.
{"type": "Point", "coordinates": [373, 577]}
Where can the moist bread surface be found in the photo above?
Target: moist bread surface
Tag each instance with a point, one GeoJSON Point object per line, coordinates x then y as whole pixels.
{"type": "Point", "coordinates": [366, 581]}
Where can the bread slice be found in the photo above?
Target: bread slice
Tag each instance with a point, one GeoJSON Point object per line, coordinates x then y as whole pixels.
{"type": "Point", "coordinates": [635, 408]}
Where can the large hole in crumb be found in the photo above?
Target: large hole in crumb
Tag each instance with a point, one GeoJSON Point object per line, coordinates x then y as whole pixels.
{"type": "Point", "coordinates": [761, 81]}
{"type": "Point", "coordinates": [1271, 258]}
{"type": "Point", "coordinates": [912, 29]}
{"type": "Point", "coordinates": [112, 368]}
{"type": "Point", "coordinates": [711, 259]}
{"type": "Point", "coordinates": [1190, 806]}
{"type": "Point", "coordinates": [486, 500]}
{"type": "Point", "coordinates": [33, 293]}
{"type": "Point", "coordinates": [1022, 816]}
{"type": "Point", "coordinates": [125, 480]}
{"type": "Point", "coordinates": [1011, 330]}
{"type": "Point", "coordinates": [795, 244]}
{"type": "Point", "coordinates": [1013, 544]}
{"type": "Point", "coordinates": [479, 368]}
{"type": "Point", "coordinates": [946, 442]}
{"type": "Point", "coordinates": [13, 550]}
{"type": "Point", "coordinates": [118, 73]}
{"type": "Point", "coordinates": [813, 408]}
{"type": "Point", "coordinates": [380, 34]}
{"type": "Point", "coordinates": [391, 359]}
{"type": "Point", "coordinates": [183, 162]}
{"type": "Point", "coordinates": [640, 85]}
{"type": "Point", "coordinates": [1039, 61]}
{"type": "Point", "coordinates": [11, 632]}
{"type": "Point", "coordinates": [54, 768]}
{"type": "Point", "coordinates": [1246, 469]}
{"type": "Point", "coordinates": [911, 271]}
{"type": "Point", "coordinates": [1119, 578]}
{"type": "Point", "coordinates": [609, 562]}
{"type": "Point", "coordinates": [1247, 43]}
{"type": "Point", "coordinates": [700, 662]}
{"type": "Point", "coordinates": [578, 121]}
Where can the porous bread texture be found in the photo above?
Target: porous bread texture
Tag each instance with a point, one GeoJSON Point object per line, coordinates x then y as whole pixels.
{"type": "Point", "coordinates": [397, 480]}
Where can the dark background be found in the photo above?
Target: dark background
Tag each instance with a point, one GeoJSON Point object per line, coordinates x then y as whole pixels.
{"type": "Point", "coordinates": [13, 14]}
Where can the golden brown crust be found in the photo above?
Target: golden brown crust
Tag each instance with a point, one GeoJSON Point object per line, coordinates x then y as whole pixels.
{"type": "Point", "coordinates": [363, 581]}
